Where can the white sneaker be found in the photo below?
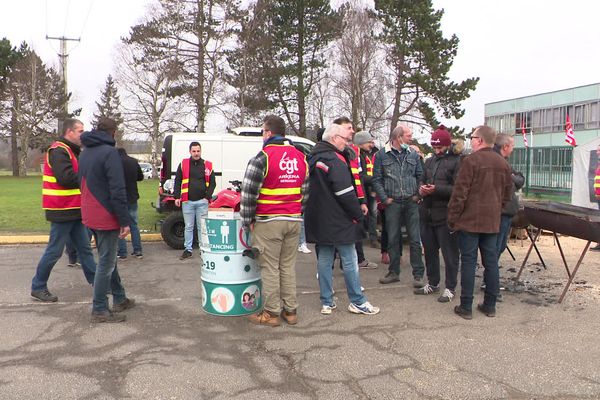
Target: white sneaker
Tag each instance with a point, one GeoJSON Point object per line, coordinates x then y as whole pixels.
{"type": "Point", "coordinates": [303, 248]}
{"type": "Point", "coordinates": [447, 296]}
{"type": "Point", "coordinates": [326, 310]}
{"type": "Point", "coordinates": [365, 308]}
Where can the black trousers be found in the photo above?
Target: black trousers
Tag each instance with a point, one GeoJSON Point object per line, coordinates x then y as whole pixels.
{"type": "Point", "coordinates": [436, 238]}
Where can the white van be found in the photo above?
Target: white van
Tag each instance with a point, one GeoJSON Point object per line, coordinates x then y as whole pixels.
{"type": "Point", "coordinates": [229, 153]}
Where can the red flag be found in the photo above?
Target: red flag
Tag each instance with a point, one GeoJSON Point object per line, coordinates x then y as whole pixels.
{"type": "Point", "coordinates": [570, 136]}
{"type": "Point", "coordinates": [524, 131]}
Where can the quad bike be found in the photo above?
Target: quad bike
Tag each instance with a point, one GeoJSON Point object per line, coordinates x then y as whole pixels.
{"type": "Point", "coordinates": [173, 227]}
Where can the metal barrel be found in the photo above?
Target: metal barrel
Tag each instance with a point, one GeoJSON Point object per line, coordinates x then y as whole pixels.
{"type": "Point", "coordinates": [231, 284]}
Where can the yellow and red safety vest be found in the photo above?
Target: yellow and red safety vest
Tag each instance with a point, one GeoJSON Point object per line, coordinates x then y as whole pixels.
{"type": "Point", "coordinates": [55, 196]}
{"type": "Point", "coordinates": [185, 176]}
{"type": "Point", "coordinates": [355, 168]}
{"type": "Point", "coordinates": [280, 193]}
{"type": "Point", "coordinates": [597, 182]}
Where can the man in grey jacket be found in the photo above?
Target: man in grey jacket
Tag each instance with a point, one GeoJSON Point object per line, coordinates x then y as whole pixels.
{"type": "Point", "coordinates": [397, 174]}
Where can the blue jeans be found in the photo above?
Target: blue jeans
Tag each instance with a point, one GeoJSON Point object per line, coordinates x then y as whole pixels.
{"type": "Point", "coordinates": [60, 232]}
{"type": "Point", "coordinates": [351, 277]}
{"type": "Point", "coordinates": [469, 243]}
{"type": "Point", "coordinates": [502, 239]}
{"type": "Point", "coordinates": [107, 276]}
{"type": "Point", "coordinates": [397, 213]}
{"type": "Point", "coordinates": [136, 240]}
{"type": "Point", "coordinates": [192, 211]}
{"type": "Point", "coordinates": [302, 233]}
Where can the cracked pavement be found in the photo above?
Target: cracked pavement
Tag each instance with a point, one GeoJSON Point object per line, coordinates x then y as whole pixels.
{"type": "Point", "coordinates": [416, 348]}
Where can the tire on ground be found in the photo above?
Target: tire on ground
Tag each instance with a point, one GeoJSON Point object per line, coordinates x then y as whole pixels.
{"type": "Point", "coordinates": [172, 230]}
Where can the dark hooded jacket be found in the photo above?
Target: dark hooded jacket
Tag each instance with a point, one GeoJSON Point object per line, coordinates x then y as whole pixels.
{"type": "Point", "coordinates": [332, 212]}
{"type": "Point", "coordinates": [103, 194]}
{"type": "Point", "coordinates": [439, 170]}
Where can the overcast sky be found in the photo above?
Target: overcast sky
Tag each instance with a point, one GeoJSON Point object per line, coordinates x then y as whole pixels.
{"type": "Point", "coordinates": [516, 47]}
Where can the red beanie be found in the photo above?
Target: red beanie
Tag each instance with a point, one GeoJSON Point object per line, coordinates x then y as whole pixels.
{"type": "Point", "coordinates": [441, 137]}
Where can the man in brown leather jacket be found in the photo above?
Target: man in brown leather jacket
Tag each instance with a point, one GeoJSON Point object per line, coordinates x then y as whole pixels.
{"type": "Point", "coordinates": [483, 186]}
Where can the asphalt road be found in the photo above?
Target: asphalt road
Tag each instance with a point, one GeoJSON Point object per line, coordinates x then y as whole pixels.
{"type": "Point", "coordinates": [416, 348]}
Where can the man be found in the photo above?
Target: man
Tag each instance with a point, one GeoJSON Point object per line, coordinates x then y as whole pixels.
{"type": "Point", "coordinates": [333, 219]}
{"type": "Point", "coordinates": [397, 174]}
{"type": "Point", "coordinates": [504, 146]}
{"type": "Point", "coordinates": [273, 188]}
{"type": "Point", "coordinates": [483, 186]}
{"type": "Point", "coordinates": [104, 209]}
{"type": "Point", "coordinates": [61, 201]}
{"type": "Point", "coordinates": [194, 186]}
{"type": "Point", "coordinates": [439, 175]}
{"type": "Point", "coordinates": [357, 171]}
{"type": "Point", "coordinates": [597, 189]}
{"type": "Point", "coordinates": [366, 145]}
{"type": "Point", "coordinates": [133, 174]}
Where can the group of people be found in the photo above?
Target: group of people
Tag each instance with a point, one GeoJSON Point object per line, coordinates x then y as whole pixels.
{"type": "Point", "coordinates": [451, 203]}
{"type": "Point", "coordinates": [90, 188]}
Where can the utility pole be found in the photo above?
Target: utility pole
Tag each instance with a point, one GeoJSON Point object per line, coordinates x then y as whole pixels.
{"type": "Point", "coordinates": [63, 55]}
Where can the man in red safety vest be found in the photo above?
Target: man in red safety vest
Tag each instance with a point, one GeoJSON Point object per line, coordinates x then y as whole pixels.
{"type": "Point", "coordinates": [194, 186]}
{"type": "Point", "coordinates": [61, 200]}
{"type": "Point", "coordinates": [273, 189]}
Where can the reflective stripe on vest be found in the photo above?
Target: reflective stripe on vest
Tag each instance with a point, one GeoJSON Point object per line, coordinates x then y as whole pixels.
{"type": "Point", "coordinates": [55, 196]}
{"type": "Point", "coordinates": [355, 168]}
{"type": "Point", "coordinates": [281, 191]}
{"type": "Point", "coordinates": [185, 176]}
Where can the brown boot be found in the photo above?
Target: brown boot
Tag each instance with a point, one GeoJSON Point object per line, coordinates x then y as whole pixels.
{"type": "Point", "coordinates": [264, 318]}
{"type": "Point", "coordinates": [290, 317]}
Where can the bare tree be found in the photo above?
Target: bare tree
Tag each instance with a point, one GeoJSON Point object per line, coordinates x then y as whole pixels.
{"type": "Point", "coordinates": [194, 32]}
{"type": "Point", "coordinates": [150, 109]}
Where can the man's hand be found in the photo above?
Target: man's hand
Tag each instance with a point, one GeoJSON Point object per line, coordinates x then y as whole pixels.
{"type": "Point", "coordinates": [426, 190]}
{"type": "Point", "coordinates": [389, 201]}
{"type": "Point", "coordinates": [364, 209]}
{"type": "Point", "coordinates": [124, 232]}
{"type": "Point", "coordinates": [178, 202]}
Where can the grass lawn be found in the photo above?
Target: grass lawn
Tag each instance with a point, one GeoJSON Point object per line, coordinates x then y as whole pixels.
{"type": "Point", "coordinates": [21, 205]}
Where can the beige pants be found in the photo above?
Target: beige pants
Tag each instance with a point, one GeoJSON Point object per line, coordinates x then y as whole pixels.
{"type": "Point", "coordinates": [277, 243]}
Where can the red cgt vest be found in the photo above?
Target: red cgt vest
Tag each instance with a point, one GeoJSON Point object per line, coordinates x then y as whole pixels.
{"type": "Point", "coordinates": [55, 196]}
{"type": "Point", "coordinates": [280, 193]}
{"type": "Point", "coordinates": [185, 178]}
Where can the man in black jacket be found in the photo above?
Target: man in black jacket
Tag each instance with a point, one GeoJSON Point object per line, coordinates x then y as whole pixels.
{"type": "Point", "coordinates": [333, 218]}
{"type": "Point", "coordinates": [61, 199]}
{"type": "Point", "coordinates": [194, 186]}
{"type": "Point", "coordinates": [133, 174]}
{"type": "Point", "coordinates": [439, 174]}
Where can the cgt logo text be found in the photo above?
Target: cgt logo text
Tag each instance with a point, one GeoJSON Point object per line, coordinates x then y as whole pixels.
{"type": "Point", "coordinates": [288, 165]}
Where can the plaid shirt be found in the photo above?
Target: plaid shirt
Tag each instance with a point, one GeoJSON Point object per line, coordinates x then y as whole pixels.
{"type": "Point", "coordinates": [253, 180]}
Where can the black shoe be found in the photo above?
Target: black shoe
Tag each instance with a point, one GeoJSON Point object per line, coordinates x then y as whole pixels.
{"type": "Point", "coordinates": [126, 305]}
{"type": "Point", "coordinates": [390, 277]}
{"type": "Point", "coordinates": [108, 317]}
{"type": "Point", "coordinates": [488, 311]}
{"type": "Point", "coordinates": [461, 312]}
{"type": "Point", "coordinates": [44, 295]}
{"type": "Point", "coordinates": [137, 255]}
{"type": "Point", "coordinates": [122, 258]}
{"type": "Point", "coordinates": [185, 254]}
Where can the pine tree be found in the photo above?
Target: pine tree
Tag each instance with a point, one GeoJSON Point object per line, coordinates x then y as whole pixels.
{"type": "Point", "coordinates": [299, 31]}
{"type": "Point", "coordinates": [109, 106]}
{"type": "Point", "coordinates": [420, 58]}
{"type": "Point", "coordinates": [32, 92]}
